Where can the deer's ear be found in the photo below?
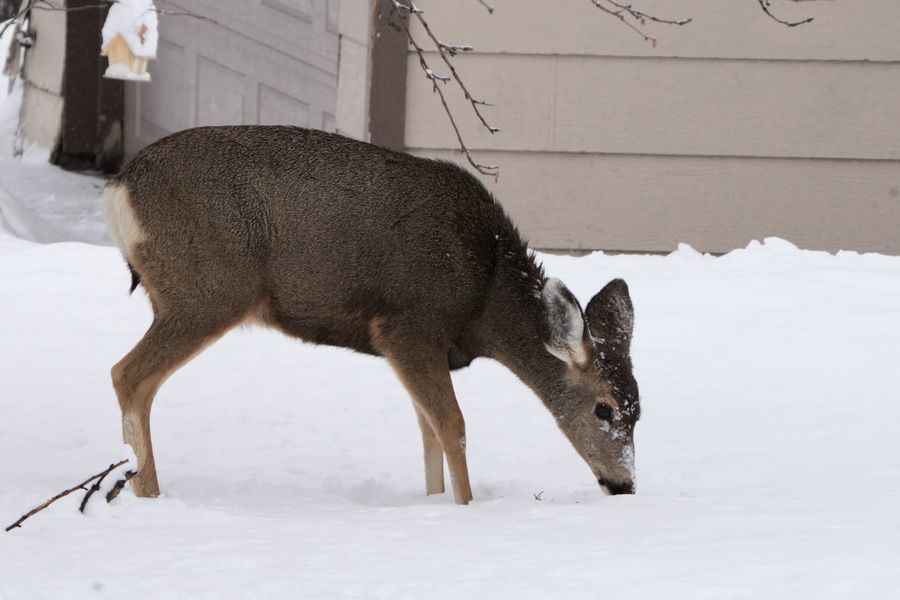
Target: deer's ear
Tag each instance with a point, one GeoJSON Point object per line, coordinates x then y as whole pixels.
{"type": "Point", "coordinates": [565, 324]}
{"type": "Point", "coordinates": [610, 315]}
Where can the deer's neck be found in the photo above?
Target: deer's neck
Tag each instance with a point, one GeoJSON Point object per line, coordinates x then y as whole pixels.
{"type": "Point", "coordinates": [514, 332]}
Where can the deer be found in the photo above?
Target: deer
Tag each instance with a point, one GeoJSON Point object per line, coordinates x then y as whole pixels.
{"type": "Point", "coordinates": [340, 242]}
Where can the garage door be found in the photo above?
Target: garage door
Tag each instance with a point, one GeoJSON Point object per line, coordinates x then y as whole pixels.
{"type": "Point", "coordinates": [243, 62]}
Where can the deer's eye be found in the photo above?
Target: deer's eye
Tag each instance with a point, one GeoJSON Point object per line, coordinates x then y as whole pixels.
{"type": "Point", "coordinates": [603, 412]}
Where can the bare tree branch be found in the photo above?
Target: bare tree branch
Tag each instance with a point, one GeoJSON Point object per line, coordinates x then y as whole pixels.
{"type": "Point", "coordinates": [635, 19]}
{"type": "Point", "coordinates": [491, 170]}
{"type": "Point", "coordinates": [63, 494]}
{"type": "Point", "coordinates": [94, 488]}
{"type": "Point", "coordinates": [446, 51]}
{"type": "Point", "coordinates": [404, 10]}
{"type": "Point", "coordinates": [486, 6]}
{"type": "Point", "coordinates": [644, 17]}
{"type": "Point", "coordinates": [766, 6]}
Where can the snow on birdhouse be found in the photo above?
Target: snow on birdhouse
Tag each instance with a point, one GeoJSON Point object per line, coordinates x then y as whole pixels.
{"type": "Point", "coordinates": [130, 37]}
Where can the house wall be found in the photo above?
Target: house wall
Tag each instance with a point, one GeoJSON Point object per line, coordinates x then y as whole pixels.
{"type": "Point", "coordinates": [354, 68]}
{"type": "Point", "coordinates": [42, 103]}
{"type": "Point", "coordinates": [731, 128]}
{"type": "Point", "coordinates": [247, 62]}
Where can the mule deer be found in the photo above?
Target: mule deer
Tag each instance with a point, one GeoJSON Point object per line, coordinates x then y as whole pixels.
{"type": "Point", "coordinates": [340, 242]}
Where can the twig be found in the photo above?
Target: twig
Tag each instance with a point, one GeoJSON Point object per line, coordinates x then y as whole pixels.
{"type": "Point", "coordinates": [117, 488]}
{"type": "Point", "coordinates": [80, 486]}
{"type": "Point", "coordinates": [490, 170]}
{"type": "Point", "coordinates": [644, 17]}
{"type": "Point", "coordinates": [639, 19]}
{"type": "Point", "coordinates": [539, 496]}
{"type": "Point", "coordinates": [437, 80]}
{"type": "Point", "coordinates": [487, 7]}
{"type": "Point", "coordinates": [766, 5]}
{"type": "Point", "coordinates": [95, 488]}
{"type": "Point", "coordinates": [445, 52]}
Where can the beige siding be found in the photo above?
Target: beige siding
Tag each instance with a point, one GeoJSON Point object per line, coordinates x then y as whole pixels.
{"type": "Point", "coordinates": [843, 30]}
{"type": "Point", "coordinates": [733, 128]}
{"type": "Point", "coordinates": [42, 105]}
{"type": "Point", "coordinates": [674, 106]}
{"type": "Point", "coordinates": [651, 203]}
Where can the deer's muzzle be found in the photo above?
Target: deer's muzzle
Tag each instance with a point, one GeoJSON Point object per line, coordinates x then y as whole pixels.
{"type": "Point", "coordinates": [615, 488]}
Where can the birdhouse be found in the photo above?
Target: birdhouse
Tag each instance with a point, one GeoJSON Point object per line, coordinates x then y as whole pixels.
{"type": "Point", "coordinates": [130, 38]}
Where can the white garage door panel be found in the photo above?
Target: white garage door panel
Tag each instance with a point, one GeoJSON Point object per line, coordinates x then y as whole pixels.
{"type": "Point", "coordinates": [292, 27]}
{"type": "Point", "coordinates": [264, 61]}
{"type": "Point", "coordinates": [165, 100]}
{"type": "Point", "coordinates": [276, 107]}
{"type": "Point", "coordinates": [220, 94]}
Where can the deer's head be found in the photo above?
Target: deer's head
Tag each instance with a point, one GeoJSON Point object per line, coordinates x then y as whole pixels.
{"type": "Point", "coordinates": [596, 401]}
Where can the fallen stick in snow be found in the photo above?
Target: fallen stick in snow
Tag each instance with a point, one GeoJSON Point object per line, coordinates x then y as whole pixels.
{"type": "Point", "coordinates": [65, 493]}
{"type": "Point", "coordinates": [95, 488]}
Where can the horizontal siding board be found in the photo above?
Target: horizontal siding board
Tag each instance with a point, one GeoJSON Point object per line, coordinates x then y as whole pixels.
{"type": "Point", "coordinates": [842, 30]}
{"type": "Point", "coordinates": [651, 203]}
{"type": "Point", "coordinates": [516, 88]}
{"type": "Point", "coordinates": [785, 109]}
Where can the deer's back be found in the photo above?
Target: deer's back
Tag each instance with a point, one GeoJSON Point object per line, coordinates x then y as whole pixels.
{"type": "Point", "coordinates": [330, 234]}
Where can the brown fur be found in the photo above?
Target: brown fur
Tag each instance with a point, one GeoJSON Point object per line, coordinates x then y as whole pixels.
{"type": "Point", "coordinates": [342, 243]}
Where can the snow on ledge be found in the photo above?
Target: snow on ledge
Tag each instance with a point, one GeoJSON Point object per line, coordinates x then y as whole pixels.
{"type": "Point", "coordinates": [120, 71]}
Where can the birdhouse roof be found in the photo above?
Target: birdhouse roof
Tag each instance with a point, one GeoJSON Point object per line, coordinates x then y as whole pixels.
{"type": "Point", "coordinates": [138, 24]}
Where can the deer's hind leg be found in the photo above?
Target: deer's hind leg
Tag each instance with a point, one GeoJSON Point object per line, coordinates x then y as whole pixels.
{"type": "Point", "coordinates": [172, 340]}
{"type": "Point", "coordinates": [433, 454]}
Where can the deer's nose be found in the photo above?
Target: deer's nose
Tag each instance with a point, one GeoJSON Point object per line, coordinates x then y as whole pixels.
{"type": "Point", "coordinates": [616, 489]}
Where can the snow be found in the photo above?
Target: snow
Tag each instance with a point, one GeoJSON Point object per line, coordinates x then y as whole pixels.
{"type": "Point", "coordinates": [129, 18]}
{"type": "Point", "coordinates": [38, 202]}
{"type": "Point", "coordinates": [44, 204]}
{"type": "Point", "coordinates": [767, 454]}
{"type": "Point", "coordinates": [120, 71]}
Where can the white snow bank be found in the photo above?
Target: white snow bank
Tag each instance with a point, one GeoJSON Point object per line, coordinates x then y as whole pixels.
{"type": "Point", "coordinates": [766, 455]}
{"type": "Point", "coordinates": [42, 203]}
{"type": "Point", "coordinates": [38, 201]}
{"type": "Point", "coordinates": [137, 22]}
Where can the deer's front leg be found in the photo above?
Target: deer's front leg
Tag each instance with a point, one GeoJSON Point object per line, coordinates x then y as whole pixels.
{"type": "Point", "coordinates": [425, 375]}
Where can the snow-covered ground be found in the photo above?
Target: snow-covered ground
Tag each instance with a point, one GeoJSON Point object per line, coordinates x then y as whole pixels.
{"type": "Point", "coordinates": [768, 453]}
{"type": "Point", "coordinates": [49, 205]}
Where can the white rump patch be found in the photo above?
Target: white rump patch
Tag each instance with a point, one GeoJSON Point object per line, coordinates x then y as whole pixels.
{"type": "Point", "coordinates": [566, 323]}
{"type": "Point", "coordinates": [124, 228]}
